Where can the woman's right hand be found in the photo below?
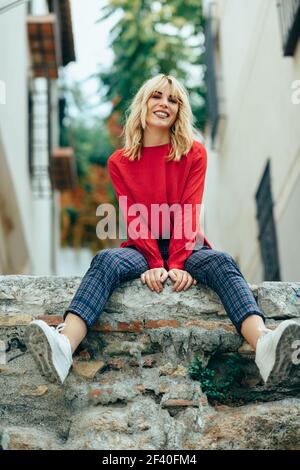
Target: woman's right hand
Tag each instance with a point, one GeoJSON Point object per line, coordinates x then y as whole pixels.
{"type": "Point", "coordinates": [154, 278]}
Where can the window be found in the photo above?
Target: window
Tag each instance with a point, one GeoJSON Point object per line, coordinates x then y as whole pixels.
{"type": "Point", "coordinates": [210, 78]}
{"type": "Point", "coordinates": [30, 133]}
{"type": "Point", "coordinates": [267, 230]}
{"type": "Point", "coordinates": [289, 16]}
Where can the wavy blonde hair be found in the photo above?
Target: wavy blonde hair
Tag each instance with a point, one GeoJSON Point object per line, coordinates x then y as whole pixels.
{"type": "Point", "coordinates": [182, 132]}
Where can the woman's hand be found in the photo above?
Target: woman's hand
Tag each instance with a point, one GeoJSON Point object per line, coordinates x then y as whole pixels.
{"type": "Point", "coordinates": [183, 279]}
{"type": "Point", "coordinates": [154, 278]}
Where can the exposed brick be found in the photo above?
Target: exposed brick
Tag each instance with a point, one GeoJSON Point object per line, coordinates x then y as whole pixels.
{"type": "Point", "coordinates": [51, 320]}
{"type": "Point", "coordinates": [135, 326]}
{"type": "Point", "coordinates": [162, 323]}
{"type": "Point", "coordinates": [103, 327]}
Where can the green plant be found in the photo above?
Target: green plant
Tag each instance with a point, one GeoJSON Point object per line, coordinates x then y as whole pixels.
{"type": "Point", "coordinates": [218, 390]}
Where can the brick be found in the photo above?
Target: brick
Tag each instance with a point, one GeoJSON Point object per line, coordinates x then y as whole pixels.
{"type": "Point", "coordinates": [162, 323]}
{"type": "Point", "coordinates": [103, 327]}
{"type": "Point", "coordinates": [135, 326]}
{"type": "Point", "coordinates": [51, 320]}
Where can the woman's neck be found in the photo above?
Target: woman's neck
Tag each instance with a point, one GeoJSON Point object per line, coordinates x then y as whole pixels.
{"type": "Point", "coordinates": [154, 137]}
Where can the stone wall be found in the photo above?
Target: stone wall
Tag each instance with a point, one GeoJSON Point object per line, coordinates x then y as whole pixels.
{"type": "Point", "coordinates": [130, 386]}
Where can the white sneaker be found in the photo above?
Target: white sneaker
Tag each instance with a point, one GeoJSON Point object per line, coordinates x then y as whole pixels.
{"type": "Point", "coordinates": [274, 351]}
{"type": "Point", "coordinates": [50, 349]}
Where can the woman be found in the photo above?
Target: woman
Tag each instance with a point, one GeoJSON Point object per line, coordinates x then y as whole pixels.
{"type": "Point", "coordinates": [161, 163]}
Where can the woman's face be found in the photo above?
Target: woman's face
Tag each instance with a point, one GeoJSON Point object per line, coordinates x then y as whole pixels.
{"type": "Point", "coordinates": [162, 101]}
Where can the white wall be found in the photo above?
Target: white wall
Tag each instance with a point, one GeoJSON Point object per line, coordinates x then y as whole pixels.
{"type": "Point", "coordinates": [13, 115]}
{"type": "Point", "coordinates": [261, 122]}
{"type": "Point", "coordinates": [40, 236]}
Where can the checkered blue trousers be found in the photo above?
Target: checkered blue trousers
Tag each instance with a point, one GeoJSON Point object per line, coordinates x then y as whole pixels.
{"type": "Point", "coordinates": [214, 269]}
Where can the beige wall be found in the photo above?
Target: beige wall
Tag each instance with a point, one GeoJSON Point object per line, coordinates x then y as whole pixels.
{"type": "Point", "coordinates": [261, 123]}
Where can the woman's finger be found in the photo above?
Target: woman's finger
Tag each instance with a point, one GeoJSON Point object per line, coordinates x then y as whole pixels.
{"type": "Point", "coordinates": [184, 280]}
{"type": "Point", "coordinates": [189, 283]}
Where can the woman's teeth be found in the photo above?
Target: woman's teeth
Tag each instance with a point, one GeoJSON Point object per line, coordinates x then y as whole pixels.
{"type": "Point", "coordinates": [161, 115]}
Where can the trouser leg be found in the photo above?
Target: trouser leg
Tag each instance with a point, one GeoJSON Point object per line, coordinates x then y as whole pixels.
{"type": "Point", "coordinates": [218, 270]}
{"type": "Point", "coordinates": [108, 269]}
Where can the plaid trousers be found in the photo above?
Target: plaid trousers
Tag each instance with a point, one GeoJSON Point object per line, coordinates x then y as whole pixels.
{"type": "Point", "coordinates": [214, 269]}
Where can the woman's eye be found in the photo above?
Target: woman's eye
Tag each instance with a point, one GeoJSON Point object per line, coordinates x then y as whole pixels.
{"type": "Point", "coordinates": [171, 99]}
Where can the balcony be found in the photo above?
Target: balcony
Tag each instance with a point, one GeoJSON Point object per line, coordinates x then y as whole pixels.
{"type": "Point", "coordinates": [289, 15]}
{"type": "Point", "coordinates": [51, 39]}
{"type": "Point", "coordinates": [63, 169]}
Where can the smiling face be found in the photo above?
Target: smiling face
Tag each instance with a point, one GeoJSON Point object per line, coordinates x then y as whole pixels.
{"type": "Point", "coordinates": [162, 108]}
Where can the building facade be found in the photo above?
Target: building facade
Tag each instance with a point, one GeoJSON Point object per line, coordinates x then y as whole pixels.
{"type": "Point", "coordinates": [252, 191]}
{"type": "Point", "coordinates": [36, 42]}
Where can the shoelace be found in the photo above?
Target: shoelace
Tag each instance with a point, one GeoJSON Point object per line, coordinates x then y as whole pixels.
{"type": "Point", "coordinates": [264, 329]}
{"type": "Point", "coordinates": [59, 327]}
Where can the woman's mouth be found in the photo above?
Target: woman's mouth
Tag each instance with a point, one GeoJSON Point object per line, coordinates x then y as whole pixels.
{"type": "Point", "coordinates": [161, 114]}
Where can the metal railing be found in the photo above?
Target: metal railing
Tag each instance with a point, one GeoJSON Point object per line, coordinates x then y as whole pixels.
{"type": "Point", "coordinates": [289, 15]}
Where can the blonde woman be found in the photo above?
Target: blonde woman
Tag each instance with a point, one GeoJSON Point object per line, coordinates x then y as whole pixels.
{"type": "Point", "coordinates": [161, 163]}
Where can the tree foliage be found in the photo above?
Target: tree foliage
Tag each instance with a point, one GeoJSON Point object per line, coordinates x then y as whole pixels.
{"type": "Point", "coordinates": [154, 37]}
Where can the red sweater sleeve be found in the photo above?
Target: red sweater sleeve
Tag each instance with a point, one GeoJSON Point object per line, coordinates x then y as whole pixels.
{"type": "Point", "coordinates": [147, 246]}
{"type": "Point", "coordinates": [192, 194]}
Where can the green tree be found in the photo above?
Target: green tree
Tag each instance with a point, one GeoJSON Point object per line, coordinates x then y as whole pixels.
{"type": "Point", "coordinates": [150, 38]}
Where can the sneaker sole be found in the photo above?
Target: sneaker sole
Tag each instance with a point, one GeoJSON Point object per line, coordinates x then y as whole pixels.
{"type": "Point", "coordinates": [283, 359]}
{"type": "Point", "coordinates": [38, 345]}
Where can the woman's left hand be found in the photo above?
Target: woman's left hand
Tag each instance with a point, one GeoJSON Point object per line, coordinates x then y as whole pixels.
{"type": "Point", "coordinates": [183, 280]}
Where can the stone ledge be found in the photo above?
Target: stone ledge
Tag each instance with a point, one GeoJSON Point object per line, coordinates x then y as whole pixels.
{"type": "Point", "coordinates": [129, 386]}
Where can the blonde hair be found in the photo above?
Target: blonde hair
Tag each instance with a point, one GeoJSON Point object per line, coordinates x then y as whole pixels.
{"type": "Point", "coordinates": [182, 133]}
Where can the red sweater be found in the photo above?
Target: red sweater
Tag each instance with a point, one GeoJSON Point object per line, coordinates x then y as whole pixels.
{"type": "Point", "coordinates": [153, 180]}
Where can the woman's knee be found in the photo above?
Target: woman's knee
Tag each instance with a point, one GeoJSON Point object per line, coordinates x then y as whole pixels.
{"type": "Point", "coordinates": [103, 259]}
